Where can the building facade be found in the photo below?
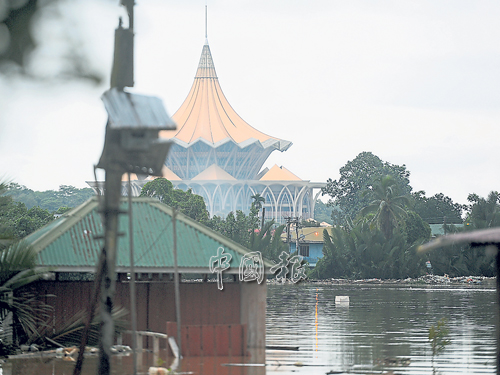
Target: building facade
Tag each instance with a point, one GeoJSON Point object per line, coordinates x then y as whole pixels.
{"type": "Point", "coordinates": [219, 156]}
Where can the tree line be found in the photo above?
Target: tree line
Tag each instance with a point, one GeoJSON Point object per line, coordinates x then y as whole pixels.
{"type": "Point", "coordinates": [380, 222]}
{"type": "Point", "coordinates": [23, 211]}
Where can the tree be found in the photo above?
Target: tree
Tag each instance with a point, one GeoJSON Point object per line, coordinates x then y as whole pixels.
{"type": "Point", "coordinates": [16, 221]}
{"type": "Point", "coordinates": [18, 269]}
{"type": "Point", "coordinates": [257, 202]}
{"type": "Point", "coordinates": [483, 213]}
{"type": "Point", "coordinates": [389, 208]}
{"type": "Point", "coordinates": [322, 212]}
{"type": "Point", "coordinates": [415, 228]}
{"type": "Point", "coordinates": [186, 202]}
{"type": "Point", "coordinates": [51, 200]}
{"type": "Point", "coordinates": [346, 193]}
{"type": "Point", "coordinates": [362, 251]}
{"type": "Point", "coordinates": [437, 209]}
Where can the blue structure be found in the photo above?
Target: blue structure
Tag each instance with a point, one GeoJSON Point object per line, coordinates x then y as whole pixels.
{"type": "Point", "coordinates": [310, 243]}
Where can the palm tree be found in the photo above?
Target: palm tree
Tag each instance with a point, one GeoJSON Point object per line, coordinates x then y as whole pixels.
{"type": "Point", "coordinates": [258, 200]}
{"type": "Point", "coordinates": [388, 207]}
{"type": "Point", "coordinates": [18, 269]}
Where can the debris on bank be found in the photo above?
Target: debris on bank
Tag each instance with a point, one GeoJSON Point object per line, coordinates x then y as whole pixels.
{"type": "Point", "coordinates": [426, 279]}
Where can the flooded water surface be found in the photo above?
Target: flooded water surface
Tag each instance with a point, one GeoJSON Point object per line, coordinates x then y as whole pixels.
{"type": "Point", "coordinates": [383, 329]}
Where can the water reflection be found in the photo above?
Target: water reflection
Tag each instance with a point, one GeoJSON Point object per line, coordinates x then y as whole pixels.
{"type": "Point", "coordinates": [384, 328]}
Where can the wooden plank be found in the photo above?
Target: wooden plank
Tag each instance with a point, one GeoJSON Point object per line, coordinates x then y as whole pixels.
{"type": "Point", "coordinates": [193, 341]}
{"type": "Point", "coordinates": [222, 340]}
{"type": "Point", "coordinates": [208, 340]}
{"type": "Point", "coordinates": [172, 329]}
{"type": "Point", "coordinates": [236, 340]}
{"type": "Point", "coordinates": [184, 343]}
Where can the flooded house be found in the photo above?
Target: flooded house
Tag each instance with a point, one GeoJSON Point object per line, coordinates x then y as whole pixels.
{"type": "Point", "coordinates": [218, 318]}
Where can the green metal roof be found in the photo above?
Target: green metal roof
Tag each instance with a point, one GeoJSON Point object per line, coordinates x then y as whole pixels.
{"type": "Point", "coordinates": [68, 243]}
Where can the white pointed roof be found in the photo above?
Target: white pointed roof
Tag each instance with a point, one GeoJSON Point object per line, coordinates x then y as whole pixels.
{"type": "Point", "coordinates": [279, 174]}
{"type": "Point", "coordinates": [214, 172]}
{"type": "Point", "coordinates": [207, 115]}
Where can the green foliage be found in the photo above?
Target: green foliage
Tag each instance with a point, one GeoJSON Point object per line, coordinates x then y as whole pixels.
{"type": "Point", "coordinates": [483, 213]}
{"type": "Point", "coordinates": [322, 212]}
{"type": "Point", "coordinates": [244, 230]}
{"type": "Point", "coordinates": [50, 200]}
{"type": "Point", "coordinates": [238, 228]}
{"type": "Point", "coordinates": [16, 221]}
{"type": "Point", "coordinates": [18, 269]}
{"type": "Point", "coordinates": [389, 208]}
{"type": "Point", "coordinates": [437, 336]}
{"type": "Point", "coordinates": [464, 260]}
{"type": "Point", "coordinates": [362, 251]}
{"type": "Point", "coordinates": [186, 202]}
{"type": "Point", "coordinates": [437, 209]}
{"type": "Point", "coordinates": [258, 201]}
{"type": "Point", "coordinates": [346, 193]}
{"type": "Point", "coordinates": [415, 228]}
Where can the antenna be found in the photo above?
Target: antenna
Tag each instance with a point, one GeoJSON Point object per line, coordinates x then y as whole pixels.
{"type": "Point", "coordinates": [206, 33]}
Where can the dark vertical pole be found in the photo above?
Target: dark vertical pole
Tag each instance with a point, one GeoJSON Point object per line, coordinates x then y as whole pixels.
{"type": "Point", "coordinates": [133, 313]}
{"type": "Point", "coordinates": [297, 248]}
{"type": "Point", "coordinates": [498, 307]}
{"type": "Point", "coordinates": [263, 213]}
{"type": "Point", "coordinates": [111, 210]}
{"type": "Point", "coordinates": [176, 282]}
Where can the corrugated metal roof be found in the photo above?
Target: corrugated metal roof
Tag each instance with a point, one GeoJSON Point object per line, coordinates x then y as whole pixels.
{"type": "Point", "coordinates": [127, 110]}
{"type": "Point", "coordinates": [68, 243]}
{"type": "Point", "coordinates": [311, 234]}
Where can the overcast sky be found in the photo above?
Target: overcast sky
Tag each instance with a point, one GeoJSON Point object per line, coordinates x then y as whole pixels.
{"type": "Point", "coordinates": [414, 82]}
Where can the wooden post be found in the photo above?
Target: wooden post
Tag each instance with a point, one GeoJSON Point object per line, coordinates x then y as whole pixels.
{"type": "Point", "coordinates": [110, 210]}
{"type": "Point", "coordinates": [133, 313]}
{"type": "Point", "coordinates": [176, 282]}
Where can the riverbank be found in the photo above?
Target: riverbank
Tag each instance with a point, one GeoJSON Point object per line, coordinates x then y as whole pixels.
{"type": "Point", "coordinates": [423, 280]}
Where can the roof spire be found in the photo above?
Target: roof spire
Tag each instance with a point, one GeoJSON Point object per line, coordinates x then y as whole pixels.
{"type": "Point", "coordinates": [206, 33]}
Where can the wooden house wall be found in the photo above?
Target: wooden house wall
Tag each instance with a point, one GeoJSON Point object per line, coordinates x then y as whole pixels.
{"type": "Point", "coordinates": [201, 303]}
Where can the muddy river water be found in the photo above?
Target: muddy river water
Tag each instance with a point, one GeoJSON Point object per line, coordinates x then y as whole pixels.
{"type": "Point", "coordinates": [383, 329]}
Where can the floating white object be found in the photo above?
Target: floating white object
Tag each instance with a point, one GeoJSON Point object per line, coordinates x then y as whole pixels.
{"type": "Point", "coordinates": [158, 371]}
{"type": "Point", "coordinates": [342, 299]}
{"type": "Point", "coordinates": [173, 346]}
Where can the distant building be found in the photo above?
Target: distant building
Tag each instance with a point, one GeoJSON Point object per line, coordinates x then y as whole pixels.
{"type": "Point", "coordinates": [220, 156]}
{"type": "Point", "coordinates": [310, 243]}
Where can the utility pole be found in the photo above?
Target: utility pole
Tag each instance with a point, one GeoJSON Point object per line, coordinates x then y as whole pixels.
{"type": "Point", "coordinates": [297, 246]}
{"type": "Point", "coordinates": [131, 145]}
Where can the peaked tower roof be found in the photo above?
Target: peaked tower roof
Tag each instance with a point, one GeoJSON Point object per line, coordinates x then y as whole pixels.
{"type": "Point", "coordinates": [279, 174]}
{"type": "Point", "coordinates": [207, 115]}
{"type": "Point", "coordinates": [214, 172]}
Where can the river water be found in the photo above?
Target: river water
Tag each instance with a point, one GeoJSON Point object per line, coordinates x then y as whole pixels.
{"type": "Point", "coordinates": [382, 330]}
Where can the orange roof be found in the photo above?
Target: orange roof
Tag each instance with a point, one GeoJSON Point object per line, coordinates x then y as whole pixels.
{"type": "Point", "coordinates": [214, 172]}
{"type": "Point", "coordinates": [279, 174]}
{"type": "Point", "coordinates": [133, 176]}
{"type": "Point", "coordinates": [166, 173]}
{"type": "Point", "coordinates": [206, 114]}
